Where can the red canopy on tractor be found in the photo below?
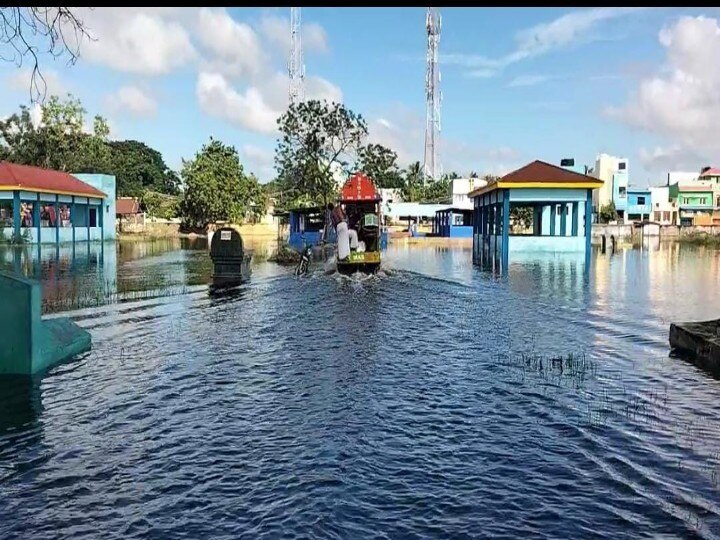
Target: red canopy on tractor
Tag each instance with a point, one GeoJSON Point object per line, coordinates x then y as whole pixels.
{"type": "Point", "coordinates": [359, 188]}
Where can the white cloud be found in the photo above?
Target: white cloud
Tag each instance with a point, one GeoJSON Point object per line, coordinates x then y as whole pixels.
{"type": "Point", "coordinates": [682, 100]}
{"type": "Point", "coordinates": [234, 44]}
{"type": "Point", "coordinates": [258, 155]}
{"type": "Point", "coordinates": [541, 39]}
{"type": "Point", "coordinates": [671, 158]}
{"type": "Point", "coordinates": [258, 108]}
{"type": "Point", "coordinates": [403, 130]}
{"type": "Point", "coordinates": [481, 73]}
{"type": "Point", "coordinates": [36, 115]}
{"type": "Point", "coordinates": [259, 161]}
{"type": "Point", "coordinates": [319, 88]}
{"type": "Point", "coordinates": [21, 78]}
{"type": "Point", "coordinates": [277, 31]}
{"type": "Point", "coordinates": [132, 100]}
{"type": "Point", "coordinates": [249, 109]}
{"type": "Point", "coordinates": [143, 42]}
{"type": "Point", "coordinates": [528, 80]}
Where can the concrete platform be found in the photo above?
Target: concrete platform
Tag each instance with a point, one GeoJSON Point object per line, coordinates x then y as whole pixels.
{"type": "Point", "coordinates": [699, 341]}
{"type": "Point", "coordinates": [31, 345]}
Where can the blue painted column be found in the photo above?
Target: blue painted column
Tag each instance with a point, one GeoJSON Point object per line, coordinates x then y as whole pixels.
{"type": "Point", "coordinates": [506, 231]}
{"type": "Point", "coordinates": [57, 219]}
{"type": "Point", "coordinates": [588, 233]}
{"type": "Point", "coordinates": [563, 219]}
{"type": "Point", "coordinates": [36, 216]}
{"type": "Point", "coordinates": [575, 219]}
{"type": "Point", "coordinates": [588, 221]}
{"type": "Point", "coordinates": [16, 212]}
{"type": "Point", "coordinates": [537, 220]}
{"type": "Point", "coordinates": [72, 221]}
{"type": "Point", "coordinates": [87, 220]}
{"type": "Point", "coordinates": [553, 216]}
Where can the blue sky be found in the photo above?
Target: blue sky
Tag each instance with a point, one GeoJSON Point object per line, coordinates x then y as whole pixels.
{"type": "Point", "coordinates": [518, 84]}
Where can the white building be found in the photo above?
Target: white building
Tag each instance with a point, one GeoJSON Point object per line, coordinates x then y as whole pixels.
{"type": "Point", "coordinates": [391, 195]}
{"type": "Point", "coordinates": [614, 173]}
{"type": "Point", "coordinates": [683, 177]}
{"type": "Point", "coordinates": [664, 210]}
{"type": "Point", "coordinates": [459, 189]}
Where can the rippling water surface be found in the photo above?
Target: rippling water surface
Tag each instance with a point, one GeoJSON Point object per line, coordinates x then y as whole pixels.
{"type": "Point", "coordinates": [433, 400]}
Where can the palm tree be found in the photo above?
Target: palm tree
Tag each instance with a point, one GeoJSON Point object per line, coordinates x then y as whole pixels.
{"type": "Point", "coordinates": [414, 181]}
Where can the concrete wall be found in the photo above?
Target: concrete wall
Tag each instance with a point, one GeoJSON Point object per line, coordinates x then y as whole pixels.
{"type": "Point", "coordinates": [17, 324]}
{"type": "Point", "coordinates": [107, 184]}
{"type": "Point", "coordinates": [560, 244]}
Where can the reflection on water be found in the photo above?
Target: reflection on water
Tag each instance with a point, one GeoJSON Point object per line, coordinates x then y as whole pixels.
{"type": "Point", "coordinates": [431, 400]}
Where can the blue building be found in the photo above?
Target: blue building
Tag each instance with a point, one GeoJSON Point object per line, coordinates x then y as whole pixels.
{"type": "Point", "coordinates": [306, 227]}
{"type": "Point", "coordinates": [639, 204]}
{"type": "Point", "coordinates": [453, 223]}
{"type": "Point", "coordinates": [537, 208]}
{"type": "Point", "coordinates": [46, 207]}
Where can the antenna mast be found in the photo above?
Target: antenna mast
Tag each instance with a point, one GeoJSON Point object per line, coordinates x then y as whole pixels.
{"type": "Point", "coordinates": [433, 96]}
{"type": "Point", "coordinates": [296, 68]}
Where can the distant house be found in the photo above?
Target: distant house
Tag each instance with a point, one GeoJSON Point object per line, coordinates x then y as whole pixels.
{"type": "Point", "coordinates": [639, 204]}
{"type": "Point", "coordinates": [127, 206]}
{"type": "Point", "coordinates": [128, 211]}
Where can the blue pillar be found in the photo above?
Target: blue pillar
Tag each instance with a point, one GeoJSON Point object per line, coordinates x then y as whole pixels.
{"type": "Point", "coordinates": [563, 219]}
{"type": "Point", "coordinates": [537, 220]}
{"type": "Point", "coordinates": [576, 218]}
{"type": "Point", "coordinates": [588, 221]}
{"type": "Point", "coordinates": [87, 220]}
{"type": "Point", "coordinates": [553, 211]}
{"type": "Point", "coordinates": [506, 231]}
{"type": "Point", "coordinates": [57, 219]}
{"type": "Point", "coordinates": [36, 216]}
{"type": "Point", "coordinates": [72, 220]}
{"type": "Point", "coordinates": [16, 212]}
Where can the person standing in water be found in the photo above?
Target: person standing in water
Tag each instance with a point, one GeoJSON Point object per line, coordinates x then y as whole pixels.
{"type": "Point", "coordinates": [347, 239]}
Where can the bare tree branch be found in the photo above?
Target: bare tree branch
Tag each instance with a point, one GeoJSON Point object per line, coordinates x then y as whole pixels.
{"type": "Point", "coordinates": [27, 33]}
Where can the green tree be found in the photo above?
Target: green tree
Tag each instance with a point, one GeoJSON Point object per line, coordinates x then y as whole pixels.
{"type": "Point", "coordinates": [56, 140]}
{"type": "Point", "coordinates": [608, 213]}
{"type": "Point", "coordinates": [437, 191]}
{"type": "Point", "coordinates": [521, 217]}
{"type": "Point", "coordinates": [316, 139]}
{"type": "Point", "coordinates": [380, 164]}
{"type": "Point", "coordinates": [160, 205]}
{"type": "Point", "coordinates": [413, 185]}
{"type": "Point", "coordinates": [216, 187]}
{"type": "Point", "coordinates": [59, 142]}
{"type": "Point", "coordinates": [138, 168]}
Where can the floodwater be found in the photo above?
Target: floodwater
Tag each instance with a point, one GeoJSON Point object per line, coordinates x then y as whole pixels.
{"type": "Point", "coordinates": [434, 400]}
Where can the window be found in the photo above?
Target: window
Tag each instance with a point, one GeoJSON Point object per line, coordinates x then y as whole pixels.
{"type": "Point", "coordinates": [622, 190]}
{"type": "Point", "coordinates": [685, 200]}
{"type": "Point", "coordinates": [641, 201]}
{"type": "Point", "coordinates": [65, 220]}
{"type": "Point", "coordinates": [703, 200]}
{"type": "Point", "coordinates": [93, 217]}
{"type": "Point", "coordinates": [6, 214]}
{"type": "Point", "coordinates": [48, 215]}
{"type": "Point", "coordinates": [26, 214]}
{"type": "Point", "coordinates": [622, 166]}
{"type": "Point", "coordinates": [559, 209]}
